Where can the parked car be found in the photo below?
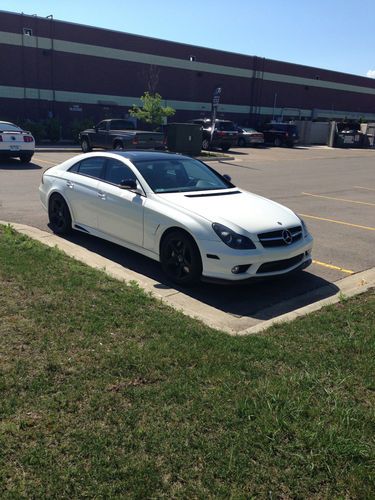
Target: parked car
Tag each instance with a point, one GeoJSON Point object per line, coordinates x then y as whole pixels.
{"type": "Point", "coordinates": [281, 134]}
{"type": "Point", "coordinates": [16, 142]}
{"type": "Point", "coordinates": [117, 134]}
{"type": "Point", "coordinates": [176, 210]}
{"type": "Point", "coordinates": [224, 137]}
{"type": "Point", "coordinates": [249, 137]}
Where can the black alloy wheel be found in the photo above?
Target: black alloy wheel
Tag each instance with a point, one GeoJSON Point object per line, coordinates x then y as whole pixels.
{"type": "Point", "coordinates": [85, 145]}
{"type": "Point", "coordinates": [59, 215]}
{"type": "Point", "coordinates": [180, 258]}
{"type": "Point", "coordinates": [225, 147]}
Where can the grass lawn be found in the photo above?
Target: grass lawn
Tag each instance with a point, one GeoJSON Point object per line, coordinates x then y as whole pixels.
{"type": "Point", "coordinates": [106, 392]}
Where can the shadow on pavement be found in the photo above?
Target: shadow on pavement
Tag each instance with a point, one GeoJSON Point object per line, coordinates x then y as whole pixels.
{"type": "Point", "coordinates": [260, 299]}
{"type": "Point", "coordinates": [12, 163]}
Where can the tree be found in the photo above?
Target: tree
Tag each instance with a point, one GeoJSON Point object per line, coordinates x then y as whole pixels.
{"type": "Point", "coordinates": [152, 110]}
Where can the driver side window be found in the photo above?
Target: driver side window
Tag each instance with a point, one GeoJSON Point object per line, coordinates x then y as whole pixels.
{"type": "Point", "coordinates": [116, 172]}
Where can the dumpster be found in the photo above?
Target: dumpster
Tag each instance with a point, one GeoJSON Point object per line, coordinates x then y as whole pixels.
{"type": "Point", "coordinates": [184, 138]}
{"type": "Point", "coordinates": [349, 135]}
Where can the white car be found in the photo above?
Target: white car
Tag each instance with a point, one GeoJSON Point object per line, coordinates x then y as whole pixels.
{"type": "Point", "coordinates": [176, 210]}
{"type": "Point", "coordinates": [15, 142]}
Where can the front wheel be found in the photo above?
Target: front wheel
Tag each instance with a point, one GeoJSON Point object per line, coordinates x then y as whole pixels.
{"type": "Point", "coordinates": [85, 146]}
{"type": "Point", "coordinates": [180, 258]}
{"type": "Point", "coordinates": [59, 215]}
{"type": "Point", "coordinates": [225, 147]}
{"type": "Point", "coordinates": [205, 144]}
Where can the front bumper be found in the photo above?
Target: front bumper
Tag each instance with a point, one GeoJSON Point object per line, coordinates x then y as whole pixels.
{"type": "Point", "coordinates": [218, 260]}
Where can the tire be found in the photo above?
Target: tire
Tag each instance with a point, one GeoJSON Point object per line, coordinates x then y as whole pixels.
{"type": "Point", "coordinates": [205, 144]}
{"type": "Point", "coordinates": [225, 147]}
{"type": "Point", "coordinates": [180, 258]}
{"type": "Point", "coordinates": [85, 145]}
{"type": "Point", "coordinates": [241, 142]}
{"type": "Point", "coordinates": [26, 157]}
{"type": "Point", "coordinates": [60, 220]}
{"type": "Point", "coordinates": [118, 146]}
{"type": "Point", "coordinates": [277, 142]}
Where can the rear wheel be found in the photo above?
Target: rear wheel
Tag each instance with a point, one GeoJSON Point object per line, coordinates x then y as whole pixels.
{"type": "Point", "coordinates": [85, 145]}
{"type": "Point", "coordinates": [59, 215]}
{"type": "Point", "coordinates": [225, 147]}
{"type": "Point", "coordinates": [26, 157]}
{"type": "Point", "coordinates": [180, 258]}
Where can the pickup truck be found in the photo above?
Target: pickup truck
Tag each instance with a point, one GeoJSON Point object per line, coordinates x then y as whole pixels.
{"type": "Point", "coordinates": [117, 134]}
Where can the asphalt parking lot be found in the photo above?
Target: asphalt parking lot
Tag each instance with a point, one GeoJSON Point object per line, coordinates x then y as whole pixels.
{"type": "Point", "coordinates": [332, 189]}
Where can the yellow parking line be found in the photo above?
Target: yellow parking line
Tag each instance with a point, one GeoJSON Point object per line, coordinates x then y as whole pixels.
{"type": "Point", "coordinates": [330, 266]}
{"type": "Point", "coordinates": [338, 222]}
{"type": "Point", "coordinates": [45, 161]}
{"type": "Point", "coordinates": [340, 199]}
{"type": "Point", "coordinates": [367, 189]}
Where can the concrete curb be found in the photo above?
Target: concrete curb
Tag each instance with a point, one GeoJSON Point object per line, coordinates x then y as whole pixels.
{"type": "Point", "coordinates": [218, 319]}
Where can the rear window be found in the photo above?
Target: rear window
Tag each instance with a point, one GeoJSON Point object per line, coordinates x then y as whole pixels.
{"type": "Point", "coordinates": [9, 127]}
{"type": "Point", "coordinates": [226, 126]}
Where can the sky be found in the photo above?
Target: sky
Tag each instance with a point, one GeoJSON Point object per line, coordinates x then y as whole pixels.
{"type": "Point", "coordinates": [331, 34]}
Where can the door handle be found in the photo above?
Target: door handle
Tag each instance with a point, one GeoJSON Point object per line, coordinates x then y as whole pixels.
{"type": "Point", "coordinates": [70, 184]}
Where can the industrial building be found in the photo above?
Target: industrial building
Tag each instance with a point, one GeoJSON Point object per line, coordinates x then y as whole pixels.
{"type": "Point", "coordinates": [51, 68]}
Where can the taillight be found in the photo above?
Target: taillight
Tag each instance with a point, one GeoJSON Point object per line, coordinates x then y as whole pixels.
{"type": "Point", "coordinates": [220, 133]}
{"type": "Point", "coordinates": [27, 138]}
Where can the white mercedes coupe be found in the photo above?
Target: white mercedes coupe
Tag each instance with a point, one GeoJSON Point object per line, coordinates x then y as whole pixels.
{"type": "Point", "coordinates": [176, 210]}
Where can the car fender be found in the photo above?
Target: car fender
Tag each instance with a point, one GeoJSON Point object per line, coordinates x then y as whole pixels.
{"type": "Point", "coordinates": [156, 223]}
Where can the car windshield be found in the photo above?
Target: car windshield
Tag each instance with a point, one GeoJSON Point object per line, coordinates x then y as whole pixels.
{"type": "Point", "coordinates": [249, 129]}
{"type": "Point", "coordinates": [9, 127]}
{"type": "Point", "coordinates": [177, 175]}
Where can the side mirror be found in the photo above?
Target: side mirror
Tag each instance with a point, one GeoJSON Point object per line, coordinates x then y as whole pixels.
{"type": "Point", "coordinates": [128, 184]}
{"type": "Point", "coordinates": [227, 177]}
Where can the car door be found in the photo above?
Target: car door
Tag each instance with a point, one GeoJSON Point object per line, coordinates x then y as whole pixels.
{"type": "Point", "coordinates": [81, 190]}
{"type": "Point", "coordinates": [121, 210]}
{"type": "Point", "coordinates": [100, 137]}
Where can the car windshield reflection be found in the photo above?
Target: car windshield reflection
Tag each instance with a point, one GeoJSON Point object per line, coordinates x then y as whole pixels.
{"type": "Point", "coordinates": [185, 174]}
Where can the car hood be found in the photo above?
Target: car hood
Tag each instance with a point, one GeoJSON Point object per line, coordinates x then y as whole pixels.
{"type": "Point", "coordinates": [239, 210]}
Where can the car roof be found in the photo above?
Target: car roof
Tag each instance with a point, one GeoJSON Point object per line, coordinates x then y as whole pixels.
{"type": "Point", "coordinates": [148, 155]}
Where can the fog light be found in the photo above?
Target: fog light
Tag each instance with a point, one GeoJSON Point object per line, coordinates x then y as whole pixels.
{"type": "Point", "coordinates": [240, 269]}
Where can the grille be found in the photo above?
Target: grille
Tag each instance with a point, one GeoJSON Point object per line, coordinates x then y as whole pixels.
{"type": "Point", "coordinates": [280, 265]}
{"type": "Point", "coordinates": [275, 238]}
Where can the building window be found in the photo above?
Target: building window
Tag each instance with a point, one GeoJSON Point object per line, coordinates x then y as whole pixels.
{"type": "Point", "coordinates": [192, 58]}
{"type": "Point", "coordinates": [28, 31]}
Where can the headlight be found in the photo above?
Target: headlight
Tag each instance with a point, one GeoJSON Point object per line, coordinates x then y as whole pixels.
{"type": "Point", "coordinates": [232, 239]}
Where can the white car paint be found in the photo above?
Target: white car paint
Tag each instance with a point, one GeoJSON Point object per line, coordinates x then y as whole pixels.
{"type": "Point", "coordinates": [15, 142]}
{"type": "Point", "coordinates": [137, 219]}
